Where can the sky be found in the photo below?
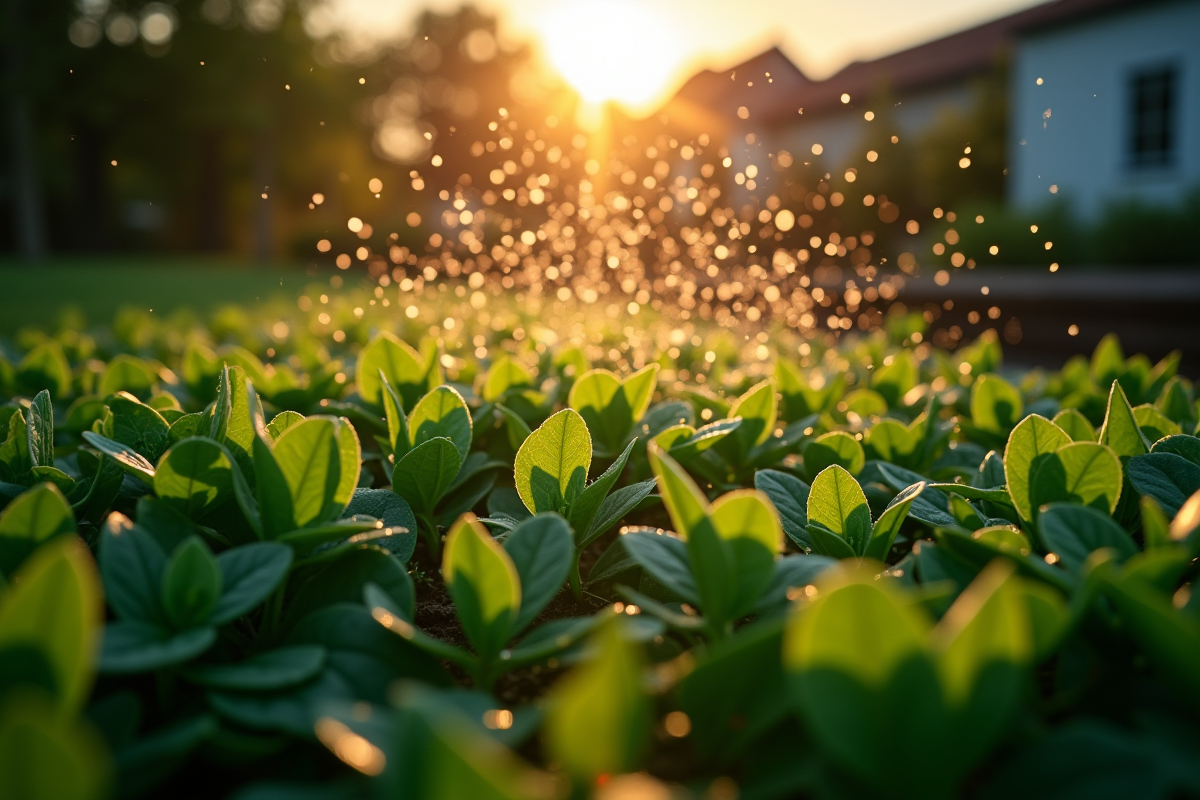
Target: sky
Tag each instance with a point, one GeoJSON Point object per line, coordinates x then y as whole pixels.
{"type": "Point", "coordinates": [638, 52]}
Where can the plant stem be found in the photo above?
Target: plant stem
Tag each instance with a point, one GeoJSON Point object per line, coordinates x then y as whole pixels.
{"type": "Point", "coordinates": [573, 578]}
{"type": "Point", "coordinates": [432, 540]}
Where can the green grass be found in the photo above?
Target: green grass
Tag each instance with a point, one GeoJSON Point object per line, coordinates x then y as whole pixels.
{"type": "Point", "coordinates": [38, 294]}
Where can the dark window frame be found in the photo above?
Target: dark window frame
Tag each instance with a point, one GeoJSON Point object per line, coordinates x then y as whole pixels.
{"type": "Point", "coordinates": [1153, 116]}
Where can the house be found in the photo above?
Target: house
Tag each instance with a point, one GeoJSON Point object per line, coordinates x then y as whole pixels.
{"type": "Point", "coordinates": [1104, 99]}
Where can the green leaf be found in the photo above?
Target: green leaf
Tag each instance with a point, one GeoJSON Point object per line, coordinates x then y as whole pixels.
{"type": "Point", "coordinates": [424, 474]}
{"type": "Point", "coordinates": [399, 363]}
{"type": "Point", "coordinates": [827, 543]}
{"type": "Point", "coordinates": [757, 409]}
{"type": "Point", "coordinates": [1075, 425]}
{"type": "Point", "coordinates": [132, 565]}
{"type": "Point", "coordinates": [191, 584]}
{"type": "Point", "coordinates": [35, 517]}
{"type": "Point", "coordinates": [274, 669]}
{"type": "Point", "coordinates": [1184, 446]}
{"type": "Point", "coordinates": [45, 367]}
{"type": "Point", "coordinates": [789, 495]}
{"type": "Point", "coordinates": [883, 533]}
{"type": "Point", "coordinates": [1154, 424]}
{"type": "Point", "coordinates": [273, 509]}
{"type": "Point", "coordinates": [134, 646]}
{"type": "Point", "coordinates": [442, 413]}
{"type": "Point", "coordinates": [664, 557]}
{"type": "Point", "coordinates": [397, 420]}
{"type": "Point", "coordinates": [1073, 532]}
{"type": "Point", "coordinates": [896, 379]}
{"type": "Point", "coordinates": [128, 373]}
{"type": "Point", "coordinates": [837, 502]}
{"type": "Point", "coordinates": [54, 606]}
{"type": "Point", "coordinates": [1168, 478]}
{"type": "Point", "coordinates": [995, 404]}
{"type": "Point", "coordinates": [139, 426]}
{"type": "Point", "coordinates": [540, 549]}
{"type": "Point", "coordinates": [1081, 472]}
{"type": "Point", "coordinates": [484, 584]}
{"type": "Point", "coordinates": [504, 374]}
{"type": "Point", "coordinates": [686, 505]}
{"type": "Point", "coordinates": [394, 512]}
{"type": "Point", "coordinates": [750, 526]}
{"type": "Point", "coordinates": [344, 580]}
{"type": "Point", "coordinates": [610, 406]}
{"type": "Point", "coordinates": [689, 446]}
{"type": "Point", "coordinates": [583, 511]}
{"type": "Point", "coordinates": [598, 721]}
{"type": "Point", "coordinates": [194, 477]}
{"type": "Point", "coordinates": [889, 440]}
{"type": "Point", "coordinates": [1120, 430]}
{"type": "Point", "coordinates": [248, 574]}
{"type": "Point", "coordinates": [281, 422]}
{"type": "Point", "coordinates": [552, 465]}
{"type": "Point", "coordinates": [515, 426]}
{"type": "Point", "coordinates": [835, 447]}
{"type": "Point", "coordinates": [616, 506]}
{"type": "Point", "coordinates": [127, 458]}
{"type": "Point", "coordinates": [1033, 441]}
{"type": "Point", "coordinates": [310, 462]}
{"type": "Point", "coordinates": [40, 430]}
{"type": "Point", "coordinates": [46, 755]}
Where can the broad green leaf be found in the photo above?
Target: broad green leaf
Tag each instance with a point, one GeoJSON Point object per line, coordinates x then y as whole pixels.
{"type": "Point", "coordinates": [789, 495]}
{"type": "Point", "coordinates": [995, 404]}
{"type": "Point", "coordinates": [1073, 532]}
{"type": "Point", "coordinates": [827, 543]}
{"type": "Point", "coordinates": [1154, 424]}
{"type": "Point", "coordinates": [888, 440]}
{"type": "Point", "coordinates": [589, 501]}
{"type": "Point", "coordinates": [757, 409]}
{"type": "Point", "coordinates": [132, 565]}
{"type": "Point", "coordinates": [504, 374]}
{"type": "Point", "coordinates": [127, 373]}
{"type": "Point", "coordinates": [896, 378]}
{"type": "Point", "coordinates": [540, 549]}
{"type": "Point", "coordinates": [191, 584]}
{"type": "Point", "coordinates": [750, 526]}
{"type": "Point", "coordinates": [54, 606]}
{"type": "Point", "coordinates": [1168, 478]}
{"type": "Point", "coordinates": [274, 506]}
{"type": "Point", "coordinates": [1120, 430]}
{"type": "Point", "coordinates": [1184, 446]}
{"type": "Point", "coordinates": [309, 460]}
{"type": "Point", "coordinates": [273, 669]}
{"type": "Point", "coordinates": [194, 477]}
{"type": "Point", "coordinates": [133, 646]}
{"type": "Point", "coordinates": [344, 579]}
{"type": "Point", "coordinates": [1156, 526]}
{"type": "Point", "coordinates": [397, 420]}
{"type": "Point", "coordinates": [685, 448]}
{"type": "Point", "coordinates": [1075, 425]}
{"type": "Point", "coordinates": [349, 464]}
{"type": "Point", "coordinates": [45, 367]}
{"type": "Point", "coordinates": [837, 502]}
{"type": "Point", "coordinates": [686, 504]}
{"type": "Point", "coordinates": [615, 507]}
{"type": "Point", "coordinates": [866, 403]}
{"type": "Point", "coordinates": [46, 755]}
{"type": "Point", "coordinates": [883, 532]}
{"type": "Point", "coordinates": [425, 473]}
{"type": "Point", "coordinates": [1033, 440]}
{"type": "Point", "coordinates": [403, 367]}
{"type": "Point", "coordinates": [610, 406]}
{"type": "Point", "coordinates": [443, 413]}
{"type": "Point", "coordinates": [598, 721]}
{"type": "Point", "coordinates": [484, 584]}
{"type": "Point", "coordinates": [835, 447]}
{"type": "Point", "coordinates": [394, 512]}
{"type": "Point", "coordinates": [40, 430]}
{"type": "Point", "coordinates": [281, 422]}
{"type": "Point", "coordinates": [139, 426]}
{"type": "Point", "coordinates": [1081, 472]}
{"type": "Point", "coordinates": [665, 558]}
{"type": "Point", "coordinates": [33, 518]}
{"type": "Point", "coordinates": [248, 574]}
{"type": "Point", "coordinates": [515, 427]}
{"type": "Point", "coordinates": [1108, 361]}
{"type": "Point", "coordinates": [552, 465]}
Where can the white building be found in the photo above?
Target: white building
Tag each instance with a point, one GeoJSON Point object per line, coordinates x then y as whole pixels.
{"type": "Point", "coordinates": [1107, 106]}
{"type": "Point", "coordinates": [1115, 115]}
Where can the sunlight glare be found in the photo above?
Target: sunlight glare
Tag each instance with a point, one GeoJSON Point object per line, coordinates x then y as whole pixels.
{"type": "Point", "coordinates": [613, 50]}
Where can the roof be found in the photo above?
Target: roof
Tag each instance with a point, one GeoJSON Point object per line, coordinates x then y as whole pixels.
{"type": "Point", "coordinates": [780, 96]}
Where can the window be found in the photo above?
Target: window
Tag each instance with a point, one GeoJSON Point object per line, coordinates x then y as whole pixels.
{"type": "Point", "coordinates": [1153, 109]}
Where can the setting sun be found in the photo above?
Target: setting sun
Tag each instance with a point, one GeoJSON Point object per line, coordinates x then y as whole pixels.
{"type": "Point", "coordinates": [618, 51]}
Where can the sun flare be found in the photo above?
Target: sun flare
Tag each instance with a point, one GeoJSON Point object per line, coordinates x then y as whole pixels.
{"type": "Point", "coordinates": [616, 50]}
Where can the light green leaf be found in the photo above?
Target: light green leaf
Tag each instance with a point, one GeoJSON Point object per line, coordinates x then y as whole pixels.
{"type": "Point", "coordinates": [837, 502]}
{"type": "Point", "coordinates": [835, 447]}
{"type": "Point", "coordinates": [757, 409]}
{"type": "Point", "coordinates": [46, 755]}
{"type": "Point", "coordinates": [442, 412]}
{"type": "Point", "coordinates": [686, 504]}
{"type": "Point", "coordinates": [883, 533]}
{"type": "Point", "coordinates": [403, 367]}
{"type": "Point", "coordinates": [40, 430]}
{"type": "Point", "coordinates": [995, 404]}
{"type": "Point", "coordinates": [504, 374]}
{"type": "Point", "coordinates": [1120, 430]}
{"type": "Point", "coordinates": [309, 459]}
{"type": "Point", "coordinates": [1033, 440]}
{"type": "Point", "coordinates": [1081, 472]}
{"type": "Point", "coordinates": [552, 465]}
{"type": "Point", "coordinates": [484, 584]}
{"type": "Point", "coordinates": [195, 476]}
{"type": "Point", "coordinates": [1075, 425]}
{"type": "Point", "coordinates": [30, 520]}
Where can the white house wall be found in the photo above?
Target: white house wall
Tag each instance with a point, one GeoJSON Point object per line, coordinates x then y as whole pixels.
{"type": "Point", "coordinates": [1082, 145]}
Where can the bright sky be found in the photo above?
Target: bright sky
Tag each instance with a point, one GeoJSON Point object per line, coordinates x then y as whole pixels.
{"type": "Point", "coordinates": [639, 51]}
